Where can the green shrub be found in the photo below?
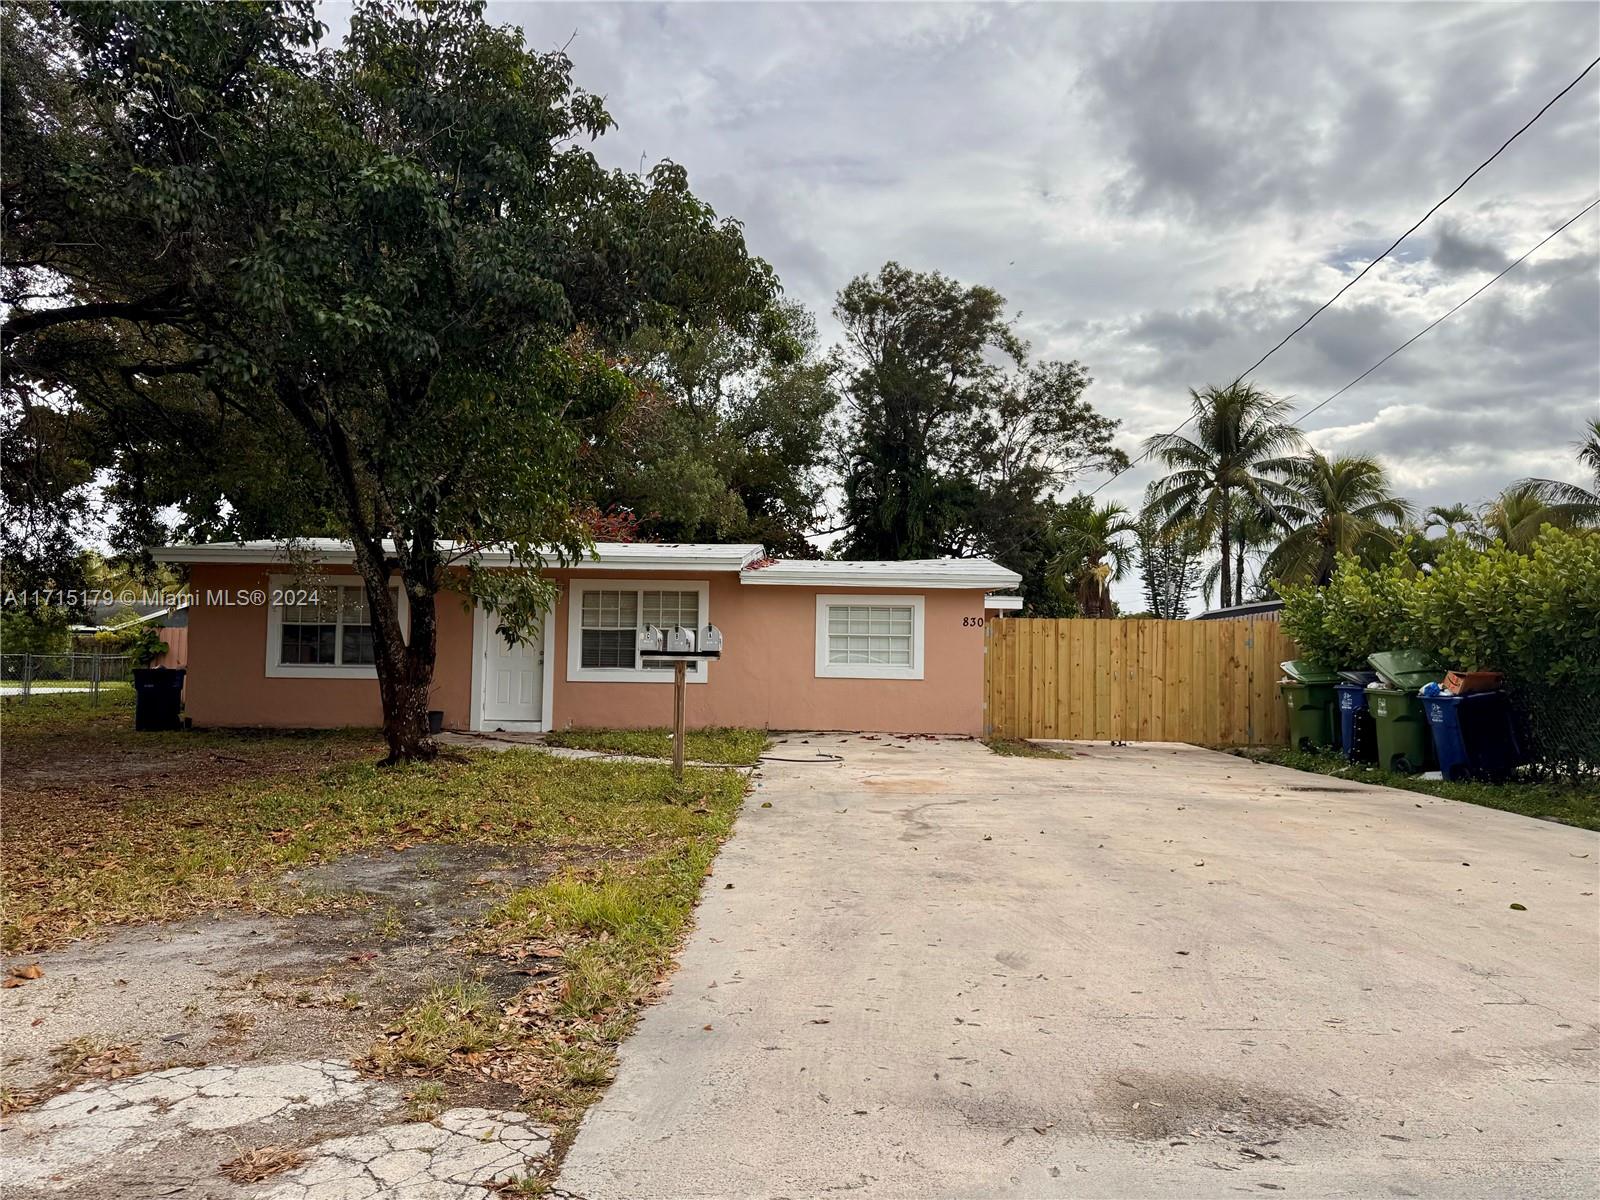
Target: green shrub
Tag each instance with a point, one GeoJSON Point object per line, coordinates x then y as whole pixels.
{"type": "Point", "coordinates": [1534, 617]}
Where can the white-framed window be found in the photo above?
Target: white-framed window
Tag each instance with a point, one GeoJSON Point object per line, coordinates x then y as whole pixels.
{"type": "Point", "coordinates": [321, 628]}
{"type": "Point", "coordinates": [869, 637]}
{"type": "Point", "coordinates": [605, 619]}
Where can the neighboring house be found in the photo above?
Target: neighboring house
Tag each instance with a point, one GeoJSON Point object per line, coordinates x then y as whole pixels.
{"type": "Point", "coordinates": [172, 622]}
{"type": "Point", "coordinates": [884, 646]}
{"type": "Point", "coordinates": [1237, 612]}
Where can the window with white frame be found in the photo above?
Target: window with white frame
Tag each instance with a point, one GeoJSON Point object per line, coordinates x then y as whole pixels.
{"type": "Point", "coordinates": [321, 628]}
{"type": "Point", "coordinates": [870, 637]}
{"type": "Point", "coordinates": [606, 621]}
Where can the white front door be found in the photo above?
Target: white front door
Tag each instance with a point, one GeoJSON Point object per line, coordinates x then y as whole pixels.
{"type": "Point", "coordinates": [512, 678]}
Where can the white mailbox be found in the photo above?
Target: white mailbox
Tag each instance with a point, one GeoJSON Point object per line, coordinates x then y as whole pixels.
{"type": "Point", "coordinates": [711, 640]}
{"type": "Point", "coordinates": [652, 639]}
{"type": "Point", "coordinates": [680, 640]}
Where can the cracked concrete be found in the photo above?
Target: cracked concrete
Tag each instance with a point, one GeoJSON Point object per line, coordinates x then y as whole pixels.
{"type": "Point", "coordinates": [244, 1026]}
{"type": "Point", "coordinates": [99, 1137]}
{"type": "Point", "coordinates": [452, 1158]}
{"type": "Point", "coordinates": [81, 1133]}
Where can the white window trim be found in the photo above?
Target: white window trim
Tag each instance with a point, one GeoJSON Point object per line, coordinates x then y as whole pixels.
{"type": "Point", "coordinates": [833, 670]}
{"type": "Point", "coordinates": [578, 673]}
{"type": "Point", "coordinates": [279, 584]}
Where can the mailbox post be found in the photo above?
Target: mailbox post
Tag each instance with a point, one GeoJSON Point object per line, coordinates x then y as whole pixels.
{"type": "Point", "coordinates": [680, 647]}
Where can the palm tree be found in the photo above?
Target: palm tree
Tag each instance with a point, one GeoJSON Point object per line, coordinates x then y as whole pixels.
{"type": "Point", "coordinates": [1253, 532]}
{"type": "Point", "coordinates": [1569, 504]}
{"type": "Point", "coordinates": [1342, 506]}
{"type": "Point", "coordinates": [1516, 515]}
{"type": "Point", "coordinates": [1092, 552]}
{"type": "Point", "coordinates": [1242, 437]}
{"type": "Point", "coordinates": [1452, 518]}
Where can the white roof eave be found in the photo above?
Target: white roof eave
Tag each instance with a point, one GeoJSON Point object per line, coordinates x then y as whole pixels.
{"type": "Point", "coordinates": [612, 556]}
{"type": "Point", "coordinates": [968, 574]}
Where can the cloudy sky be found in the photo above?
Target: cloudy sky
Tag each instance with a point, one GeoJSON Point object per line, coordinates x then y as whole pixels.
{"type": "Point", "coordinates": [1163, 191]}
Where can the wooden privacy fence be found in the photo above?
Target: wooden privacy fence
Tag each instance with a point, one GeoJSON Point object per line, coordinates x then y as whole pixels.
{"type": "Point", "coordinates": [1210, 682]}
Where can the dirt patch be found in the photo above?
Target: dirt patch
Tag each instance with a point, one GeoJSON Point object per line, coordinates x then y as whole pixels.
{"type": "Point", "coordinates": [256, 987]}
{"type": "Point", "coordinates": [1182, 1108]}
{"type": "Point", "coordinates": [108, 766]}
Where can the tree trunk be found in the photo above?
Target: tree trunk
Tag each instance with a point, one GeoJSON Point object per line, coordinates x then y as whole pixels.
{"type": "Point", "coordinates": [1227, 549]}
{"type": "Point", "coordinates": [405, 667]}
{"type": "Point", "coordinates": [1238, 572]}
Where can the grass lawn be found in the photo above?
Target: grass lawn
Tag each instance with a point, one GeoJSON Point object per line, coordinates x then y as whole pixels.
{"type": "Point", "coordinates": [106, 827]}
{"type": "Point", "coordinates": [1019, 748]}
{"type": "Point", "coordinates": [732, 747]}
{"type": "Point", "coordinates": [1571, 804]}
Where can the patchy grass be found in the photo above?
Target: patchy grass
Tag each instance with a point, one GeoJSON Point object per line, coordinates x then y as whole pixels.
{"type": "Point", "coordinates": [105, 826]}
{"type": "Point", "coordinates": [731, 747]}
{"type": "Point", "coordinates": [598, 943]}
{"type": "Point", "coordinates": [543, 986]}
{"type": "Point", "coordinates": [1019, 748]}
{"type": "Point", "coordinates": [1570, 804]}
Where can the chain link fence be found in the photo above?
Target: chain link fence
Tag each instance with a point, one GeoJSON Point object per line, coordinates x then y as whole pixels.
{"type": "Point", "coordinates": [1559, 729]}
{"type": "Point", "coordinates": [26, 674]}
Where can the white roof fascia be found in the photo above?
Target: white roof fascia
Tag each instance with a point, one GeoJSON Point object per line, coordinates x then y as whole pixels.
{"type": "Point", "coordinates": [612, 556]}
{"type": "Point", "coordinates": [1003, 603]}
{"type": "Point", "coordinates": [922, 573]}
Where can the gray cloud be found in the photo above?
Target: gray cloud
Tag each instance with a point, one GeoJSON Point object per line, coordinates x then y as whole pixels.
{"type": "Point", "coordinates": [1163, 191]}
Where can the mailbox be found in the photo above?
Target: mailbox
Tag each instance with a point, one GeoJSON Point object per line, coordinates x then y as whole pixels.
{"type": "Point", "coordinates": [680, 640]}
{"type": "Point", "coordinates": [711, 640]}
{"type": "Point", "coordinates": [652, 639]}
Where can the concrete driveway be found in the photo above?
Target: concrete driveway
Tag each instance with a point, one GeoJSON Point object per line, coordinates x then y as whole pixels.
{"type": "Point", "coordinates": [1147, 971]}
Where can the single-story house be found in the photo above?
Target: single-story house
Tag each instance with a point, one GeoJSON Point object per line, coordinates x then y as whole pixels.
{"type": "Point", "coordinates": [883, 646]}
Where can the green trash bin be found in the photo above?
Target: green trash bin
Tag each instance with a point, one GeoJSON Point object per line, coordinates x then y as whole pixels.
{"type": "Point", "coordinates": [1405, 744]}
{"type": "Point", "coordinates": [1308, 693]}
{"type": "Point", "coordinates": [1401, 724]}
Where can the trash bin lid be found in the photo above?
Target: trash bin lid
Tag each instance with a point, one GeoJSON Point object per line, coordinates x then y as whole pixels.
{"type": "Point", "coordinates": [1405, 669]}
{"type": "Point", "coordinates": [1303, 670]}
{"type": "Point", "coordinates": [1360, 678]}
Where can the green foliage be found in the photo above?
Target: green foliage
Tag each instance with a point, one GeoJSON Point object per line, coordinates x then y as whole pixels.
{"type": "Point", "coordinates": [1092, 552]}
{"type": "Point", "coordinates": [952, 441]}
{"type": "Point", "coordinates": [378, 291]}
{"type": "Point", "coordinates": [1231, 464]}
{"type": "Point", "coordinates": [1169, 560]}
{"type": "Point", "coordinates": [1361, 611]}
{"type": "Point", "coordinates": [1535, 617]}
{"type": "Point", "coordinates": [726, 439]}
{"type": "Point", "coordinates": [41, 630]}
{"type": "Point", "coordinates": [1338, 506]}
{"type": "Point", "coordinates": [141, 641]}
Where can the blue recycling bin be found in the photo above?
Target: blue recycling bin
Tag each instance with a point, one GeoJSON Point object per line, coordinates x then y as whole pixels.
{"type": "Point", "coordinates": [1473, 736]}
{"type": "Point", "coordinates": [1357, 737]}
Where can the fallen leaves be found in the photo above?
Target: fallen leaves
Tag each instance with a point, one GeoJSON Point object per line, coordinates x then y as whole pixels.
{"type": "Point", "coordinates": [263, 1162]}
{"type": "Point", "coordinates": [18, 976]}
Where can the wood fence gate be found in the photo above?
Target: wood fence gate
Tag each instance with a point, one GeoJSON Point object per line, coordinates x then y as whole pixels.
{"type": "Point", "coordinates": [1208, 682]}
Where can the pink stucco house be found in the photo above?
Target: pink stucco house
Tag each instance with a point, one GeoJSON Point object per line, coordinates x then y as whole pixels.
{"type": "Point", "coordinates": [884, 646]}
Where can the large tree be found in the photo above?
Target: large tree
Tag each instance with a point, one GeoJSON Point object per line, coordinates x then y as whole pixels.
{"type": "Point", "coordinates": [953, 441]}
{"type": "Point", "coordinates": [728, 439]}
{"type": "Point", "coordinates": [1242, 443]}
{"type": "Point", "coordinates": [375, 291]}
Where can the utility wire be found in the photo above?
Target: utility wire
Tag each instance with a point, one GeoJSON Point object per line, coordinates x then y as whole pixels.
{"type": "Point", "coordinates": [1392, 247]}
{"type": "Point", "coordinates": [1549, 237]}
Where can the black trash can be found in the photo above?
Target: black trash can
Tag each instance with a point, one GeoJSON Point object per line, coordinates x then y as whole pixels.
{"type": "Point", "coordinates": [157, 698]}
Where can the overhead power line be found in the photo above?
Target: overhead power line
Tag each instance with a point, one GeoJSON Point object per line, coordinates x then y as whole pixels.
{"type": "Point", "coordinates": [1391, 248]}
{"type": "Point", "coordinates": [1549, 237]}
